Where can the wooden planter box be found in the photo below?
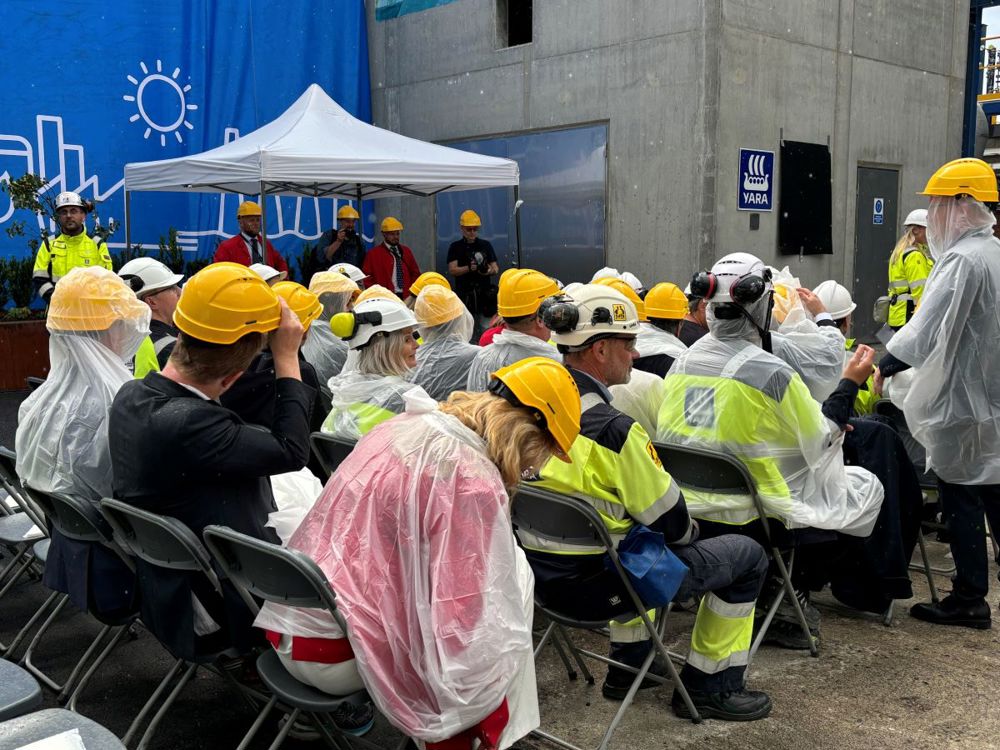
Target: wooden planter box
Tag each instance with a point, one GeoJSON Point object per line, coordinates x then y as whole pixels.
{"type": "Point", "coordinates": [24, 351]}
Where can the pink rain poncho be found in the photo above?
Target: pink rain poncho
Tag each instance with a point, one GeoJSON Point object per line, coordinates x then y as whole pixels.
{"type": "Point", "coordinates": [413, 531]}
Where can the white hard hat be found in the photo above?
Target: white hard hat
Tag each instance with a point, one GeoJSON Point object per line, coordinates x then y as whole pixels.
{"type": "Point", "coordinates": [267, 273]}
{"type": "Point", "coordinates": [592, 310]}
{"type": "Point", "coordinates": [738, 277]}
{"type": "Point", "coordinates": [836, 299]}
{"type": "Point", "coordinates": [606, 273]}
{"type": "Point", "coordinates": [373, 316]}
{"type": "Point", "coordinates": [633, 281]}
{"type": "Point", "coordinates": [70, 199]}
{"type": "Point", "coordinates": [916, 218]}
{"type": "Point", "coordinates": [146, 276]}
{"type": "Point", "coordinates": [354, 273]}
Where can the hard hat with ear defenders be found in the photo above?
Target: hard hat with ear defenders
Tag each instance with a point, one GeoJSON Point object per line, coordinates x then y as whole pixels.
{"type": "Point", "coordinates": [372, 316]}
{"type": "Point", "coordinates": [593, 310]}
{"type": "Point", "coordinates": [738, 277]}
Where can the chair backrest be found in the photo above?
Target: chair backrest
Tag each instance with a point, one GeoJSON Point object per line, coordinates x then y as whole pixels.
{"type": "Point", "coordinates": [159, 540]}
{"type": "Point", "coordinates": [558, 518]}
{"type": "Point", "coordinates": [330, 451]}
{"type": "Point", "coordinates": [271, 572]}
{"type": "Point", "coordinates": [33, 382]}
{"type": "Point", "coordinates": [12, 483]}
{"type": "Point", "coordinates": [325, 397]}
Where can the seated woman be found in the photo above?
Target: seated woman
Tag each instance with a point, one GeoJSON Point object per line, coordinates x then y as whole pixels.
{"type": "Point", "coordinates": [381, 332]}
{"type": "Point", "coordinates": [413, 532]}
{"type": "Point", "coordinates": [444, 358]}
{"type": "Point", "coordinates": [96, 324]}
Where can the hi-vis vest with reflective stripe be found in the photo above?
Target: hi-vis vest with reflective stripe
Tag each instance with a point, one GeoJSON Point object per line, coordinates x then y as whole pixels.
{"type": "Point", "coordinates": [145, 359]}
{"type": "Point", "coordinates": [363, 416]}
{"type": "Point", "coordinates": [907, 277]}
{"type": "Point", "coordinates": [58, 255]}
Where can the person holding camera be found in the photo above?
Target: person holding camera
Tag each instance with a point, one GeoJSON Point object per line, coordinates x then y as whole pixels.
{"type": "Point", "coordinates": [71, 248]}
{"type": "Point", "coordinates": [473, 264]}
{"type": "Point", "coordinates": [343, 244]}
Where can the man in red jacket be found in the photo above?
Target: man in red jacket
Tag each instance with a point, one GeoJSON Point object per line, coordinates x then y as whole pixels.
{"type": "Point", "coordinates": [390, 264]}
{"type": "Point", "coordinates": [248, 247]}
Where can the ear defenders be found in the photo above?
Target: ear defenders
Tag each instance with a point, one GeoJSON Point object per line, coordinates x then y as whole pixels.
{"type": "Point", "coordinates": [560, 315]}
{"type": "Point", "coordinates": [745, 290]}
{"type": "Point", "coordinates": [345, 325]}
{"type": "Point", "coordinates": [134, 282]}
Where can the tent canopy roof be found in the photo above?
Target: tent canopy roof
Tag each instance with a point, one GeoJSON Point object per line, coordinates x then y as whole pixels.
{"type": "Point", "coordinates": [316, 148]}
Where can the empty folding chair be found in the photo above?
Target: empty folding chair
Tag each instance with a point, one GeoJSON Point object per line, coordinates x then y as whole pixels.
{"type": "Point", "coordinates": [712, 471]}
{"type": "Point", "coordinates": [569, 520]}
{"type": "Point", "coordinates": [19, 692]}
{"type": "Point", "coordinates": [33, 382]}
{"type": "Point", "coordinates": [285, 576]}
{"type": "Point", "coordinates": [19, 531]}
{"type": "Point", "coordinates": [330, 451]}
{"type": "Point", "coordinates": [41, 725]}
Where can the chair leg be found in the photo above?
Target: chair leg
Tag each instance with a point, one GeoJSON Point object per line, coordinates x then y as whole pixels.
{"type": "Point", "coordinates": [762, 631]}
{"type": "Point", "coordinates": [23, 632]}
{"type": "Point", "coordinates": [561, 632]}
{"type": "Point", "coordinates": [283, 732]}
{"type": "Point", "coordinates": [330, 738]}
{"type": "Point", "coordinates": [26, 559]}
{"type": "Point", "coordinates": [570, 672]}
{"type": "Point", "coordinates": [657, 636]}
{"type": "Point", "coordinates": [790, 591]}
{"type": "Point", "coordinates": [927, 566]}
{"type": "Point", "coordinates": [887, 616]}
{"type": "Point", "coordinates": [148, 706]}
{"type": "Point", "coordinates": [81, 663]}
{"type": "Point", "coordinates": [25, 660]}
{"type": "Point", "coordinates": [147, 736]}
{"type": "Point", "coordinates": [94, 666]}
{"type": "Point", "coordinates": [258, 722]}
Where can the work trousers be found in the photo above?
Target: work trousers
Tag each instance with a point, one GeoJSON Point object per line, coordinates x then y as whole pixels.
{"type": "Point", "coordinates": [966, 508]}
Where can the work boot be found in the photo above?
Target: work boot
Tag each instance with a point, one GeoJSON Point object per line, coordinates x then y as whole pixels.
{"type": "Point", "coordinates": [736, 705]}
{"type": "Point", "coordinates": [954, 611]}
{"type": "Point", "coordinates": [786, 612]}
{"type": "Point", "coordinates": [618, 681]}
{"type": "Point", "coordinates": [786, 635]}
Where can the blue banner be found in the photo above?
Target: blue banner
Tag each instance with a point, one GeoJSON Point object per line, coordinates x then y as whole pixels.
{"type": "Point", "coordinates": [89, 88]}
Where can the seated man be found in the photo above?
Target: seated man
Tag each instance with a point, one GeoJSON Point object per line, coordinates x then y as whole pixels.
{"type": "Point", "coordinates": [525, 335]}
{"type": "Point", "coordinates": [837, 300]}
{"type": "Point", "coordinates": [443, 359]}
{"type": "Point", "coordinates": [615, 468]}
{"type": "Point", "coordinates": [157, 286]}
{"type": "Point", "coordinates": [658, 345]}
{"type": "Point", "coordinates": [322, 348]}
{"type": "Point", "coordinates": [95, 324]}
{"type": "Point", "coordinates": [177, 451]}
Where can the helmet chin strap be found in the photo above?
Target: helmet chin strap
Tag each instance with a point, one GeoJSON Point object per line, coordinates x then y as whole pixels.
{"type": "Point", "coordinates": [765, 332]}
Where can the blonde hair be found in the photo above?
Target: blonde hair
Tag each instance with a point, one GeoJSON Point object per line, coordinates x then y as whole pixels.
{"type": "Point", "coordinates": [515, 440]}
{"type": "Point", "coordinates": [384, 354]}
{"type": "Point", "coordinates": [906, 241]}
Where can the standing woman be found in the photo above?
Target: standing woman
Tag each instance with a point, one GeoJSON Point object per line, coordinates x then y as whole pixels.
{"type": "Point", "coordinates": [909, 266]}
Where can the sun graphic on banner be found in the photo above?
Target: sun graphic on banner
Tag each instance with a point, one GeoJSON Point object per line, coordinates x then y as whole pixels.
{"type": "Point", "coordinates": [150, 83]}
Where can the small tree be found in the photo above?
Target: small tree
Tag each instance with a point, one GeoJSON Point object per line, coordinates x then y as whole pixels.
{"type": "Point", "coordinates": [170, 253]}
{"type": "Point", "coordinates": [306, 262]}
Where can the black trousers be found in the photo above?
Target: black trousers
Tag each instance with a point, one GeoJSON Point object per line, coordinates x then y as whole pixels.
{"type": "Point", "coordinates": [966, 508]}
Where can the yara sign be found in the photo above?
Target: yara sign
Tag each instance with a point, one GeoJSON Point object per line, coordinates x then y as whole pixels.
{"type": "Point", "coordinates": [755, 190]}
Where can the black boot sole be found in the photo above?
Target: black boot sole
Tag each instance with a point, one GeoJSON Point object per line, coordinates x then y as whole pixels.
{"type": "Point", "coordinates": [709, 712]}
{"type": "Point", "coordinates": [974, 624]}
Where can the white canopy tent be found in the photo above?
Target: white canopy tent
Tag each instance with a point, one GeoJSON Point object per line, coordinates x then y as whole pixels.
{"type": "Point", "coordinates": [315, 148]}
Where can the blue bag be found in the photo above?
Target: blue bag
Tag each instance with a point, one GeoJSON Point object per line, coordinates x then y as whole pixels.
{"type": "Point", "coordinates": [655, 572]}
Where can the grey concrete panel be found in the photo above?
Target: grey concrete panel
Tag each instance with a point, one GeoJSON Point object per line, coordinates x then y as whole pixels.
{"type": "Point", "coordinates": [813, 22]}
{"type": "Point", "coordinates": [912, 33]}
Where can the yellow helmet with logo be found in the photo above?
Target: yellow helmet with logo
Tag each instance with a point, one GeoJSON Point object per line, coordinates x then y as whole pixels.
{"type": "Point", "coordinates": [248, 208]}
{"type": "Point", "coordinates": [624, 287]}
{"type": "Point", "coordinates": [391, 224]}
{"type": "Point", "coordinates": [522, 291]}
{"type": "Point", "coordinates": [225, 301]}
{"type": "Point", "coordinates": [436, 305]}
{"type": "Point", "coordinates": [348, 212]}
{"type": "Point", "coordinates": [301, 301]}
{"type": "Point", "coordinates": [428, 278]}
{"type": "Point", "coordinates": [469, 218]}
{"type": "Point", "coordinates": [666, 301]}
{"type": "Point", "coordinates": [964, 176]}
{"type": "Point", "coordinates": [92, 299]}
{"type": "Point", "coordinates": [546, 388]}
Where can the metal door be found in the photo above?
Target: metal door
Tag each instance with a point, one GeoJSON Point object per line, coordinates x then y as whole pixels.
{"type": "Point", "coordinates": [875, 234]}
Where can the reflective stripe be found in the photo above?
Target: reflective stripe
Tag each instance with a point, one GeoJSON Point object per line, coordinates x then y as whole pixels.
{"type": "Point", "coordinates": [721, 635]}
{"type": "Point", "coordinates": [711, 666]}
{"type": "Point", "coordinates": [664, 504]}
{"type": "Point", "coordinates": [531, 541]}
{"type": "Point", "coordinates": [631, 631]}
{"type": "Point", "coordinates": [730, 609]}
{"type": "Point", "coordinates": [163, 343]}
{"type": "Point", "coordinates": [917, 282]}
{"type": "Point", "coordinates": [589, 401]}
{"type": "Point", "coordinates": [898, 285]}
{"type": "Point", "coordinates": [904, 297]}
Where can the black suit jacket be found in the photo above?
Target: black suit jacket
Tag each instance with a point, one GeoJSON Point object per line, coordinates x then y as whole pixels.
{"type": "Point", "coordinates": [180, 455]}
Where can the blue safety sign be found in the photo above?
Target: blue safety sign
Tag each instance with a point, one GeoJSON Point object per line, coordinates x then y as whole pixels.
{"type": "Point", "coordinates": [878, 211]}
{"type": "Point", "coordinates": [756, 181]}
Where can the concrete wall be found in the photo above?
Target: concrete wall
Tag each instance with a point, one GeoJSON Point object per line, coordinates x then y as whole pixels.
{"type": "Point", "coordinates": [683, 85]}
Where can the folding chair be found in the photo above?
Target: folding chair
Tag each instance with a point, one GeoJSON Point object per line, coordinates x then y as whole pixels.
{"type": "Point", "coordinates": [709, 470]}
{"type": "Point", "coordinates": [165, 543]}
{"type": "Point", "coordinates": [42, 725]}
{"type": "Point", "coordinates": [571, 520]}
{"type": "Point", "coordinates": [19, 693]}
{"type": "Point", "coordinates": [80, 521]}
{"type": "Point", "coordinates": [330, 451]}
{"type": "Point", "coordinates": [33, 382]}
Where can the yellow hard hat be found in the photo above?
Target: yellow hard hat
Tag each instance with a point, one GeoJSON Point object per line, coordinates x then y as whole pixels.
{"type": "Point", "coordinates": [469, 218]}
{"type": "Point", "coordinates": [666, 300]}
{"type": "Point", "coordinates": [628, 291]}
{"type": "Point", "coordinates": [522, 291]}
{"type": "Point", "coordinates": [225, 301]}
{"type": "Point", "coordinates": [302, 302]}
{"type": "Point", "coordinates": [964, 176]}
{"type": "Point", "coordinates": [376, 291]}
{"type": "Point", "coordinates": [436, 305]}
{"type": "Point", "coordinates": [428, 278]}
{"type": "Point", "coordinates": [391, 224]}
{"type": "Point", "coordinates": [546, 387]}
{"type": "Point", "coordinates": [348, 212]}
{"type": "Point", "coordinates": [248, 208]}
{"type": "Point", "coordinates": [332, 282]}
{"type": "Point", "coordinates": [92, 299]}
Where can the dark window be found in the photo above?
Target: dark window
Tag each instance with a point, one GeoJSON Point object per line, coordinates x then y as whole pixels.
{"type": "Point", "coordinates": [514, 22]}
{"type": "Point", "coordinates": [805, 199]}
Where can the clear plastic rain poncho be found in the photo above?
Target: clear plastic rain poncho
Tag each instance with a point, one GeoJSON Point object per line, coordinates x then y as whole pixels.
{"type": "Point", "coordinates": [323, 349]}
{"type": "Point", "coordinates": [361, 401]}
{"type": "Point", "coordinates": [728, 394]}
{"type": "Point", "coordinates": [640, 398]}
{"type": "Point", "coordinates": [652, 340]}
{"type": "Point", "coordinates": [96, 325]}
{"type": "Point", "coordinates": [509, 346]}
{"type": "Point", "coordinates": [953, 404]}
{"type": "Point", "coordinates": [413, 531]}
{"type": "Point", "coordinates": [444, 359]}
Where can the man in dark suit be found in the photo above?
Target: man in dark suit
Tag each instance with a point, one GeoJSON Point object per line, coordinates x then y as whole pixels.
{"type": "Point", "coordinates": [177, 451]}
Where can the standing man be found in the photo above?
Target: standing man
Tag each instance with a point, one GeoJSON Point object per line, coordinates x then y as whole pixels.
{"type": "Point", "coordinates": [157, 286]}
{"type": "Point", "coordinates": [951, 406]}
{"type": "Point", "coordinates": [72, 247]}
{"type": "Point", "coordinates": [343, 244]}
{"type": "Point", "coordinates": [390, 264]}
{"type": "Point", "coordinates": [472, 263]}
{"type": "Point", "coordinates": [249, 246]}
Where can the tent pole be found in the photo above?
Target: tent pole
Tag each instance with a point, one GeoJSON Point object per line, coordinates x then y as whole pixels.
{"type": "Point", "coordinates": [362, 219]}
{"type": "Point", "coordinates": [263, 220]}
{"type": "Point", "coordinates": [517, 224]}
{"type": "Point", "coordinates": [128, 219]}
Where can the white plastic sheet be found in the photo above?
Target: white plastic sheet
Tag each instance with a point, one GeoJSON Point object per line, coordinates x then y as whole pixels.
{"type": "Point", "coordinates": [295, 493]}
{"type": "Point", "coordinates": [508, 346]}
{"type": "Point", "coordinates": [324, 350]}
{"type": "Point", "coordinates": [361, 401]}
{"type": "Point", "coordinates": [640, 398]}
{"type": "Point", "coordinates": [652, 340]}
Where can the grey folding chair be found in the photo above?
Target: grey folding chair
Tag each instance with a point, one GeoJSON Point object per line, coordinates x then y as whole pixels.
{"type": "Point", "coordinates": [571, 520]}
{"type": "Point", "coordinates": [40, 725]}
{"type": "Point", "coordinates": [166, 543]}
{"type": "Point", "coordinates": [713, 471]}
{"type": "Point", "coordinates": [80, 521]}
{"type": "Point", "coordinates": [330, 451]}
{"type": "Point", "coordinates": [285, 576]}
{"type": "Point", "coordinates": [19, 692]}
{"type": "Point", "coordinates": [32, 382]}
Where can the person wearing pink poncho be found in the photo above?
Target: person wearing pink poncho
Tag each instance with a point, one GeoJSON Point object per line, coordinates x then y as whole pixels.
{"type": "Point", "coordinates": [413, 532]}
